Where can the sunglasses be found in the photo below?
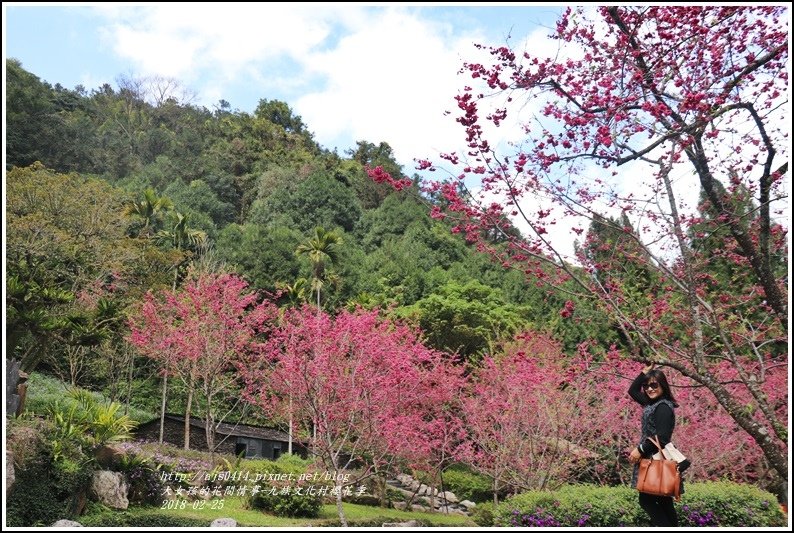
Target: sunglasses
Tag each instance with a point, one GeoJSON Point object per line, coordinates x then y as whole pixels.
{"type": "Point", "coordinates": [651, 386]}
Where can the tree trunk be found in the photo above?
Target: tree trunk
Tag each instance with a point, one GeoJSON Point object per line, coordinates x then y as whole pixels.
{"type": "Point", "coordinates": [289, 437]}
{"type": "Point", "coordinates": [129, 384]}
{"type": "Point", "coordinates": [339, 509]}
{"type": "Point", "coordinates": [187, 417]}
{"type": "Point", "coordinates": [210, 425]}
{"type": "Point", "coordinates": [162, 407]}
{"type": "Point", "coordinates": [495, 492]}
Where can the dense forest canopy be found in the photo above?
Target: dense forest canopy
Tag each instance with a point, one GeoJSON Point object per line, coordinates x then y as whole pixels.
{"type": "Point", "coordinates": [132, 186]}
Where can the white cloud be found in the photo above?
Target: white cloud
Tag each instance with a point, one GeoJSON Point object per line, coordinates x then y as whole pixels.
{"type": "Point", "coordinates": [389, 80]}
{"type": "Point", "coordinates": [211, 46]}
{"type": "Point", "coordinates": [357, 73]}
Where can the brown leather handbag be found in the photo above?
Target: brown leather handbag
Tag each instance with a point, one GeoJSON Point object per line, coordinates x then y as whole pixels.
{"type": "Point", "coordinates": [659, 477]}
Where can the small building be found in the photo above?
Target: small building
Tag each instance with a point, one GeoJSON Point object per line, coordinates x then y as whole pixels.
{"type": "Point", "coordinates": [251, 442]}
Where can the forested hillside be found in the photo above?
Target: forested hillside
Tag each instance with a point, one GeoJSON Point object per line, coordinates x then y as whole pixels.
{"type": "Point", "coordinates": [131, 186]}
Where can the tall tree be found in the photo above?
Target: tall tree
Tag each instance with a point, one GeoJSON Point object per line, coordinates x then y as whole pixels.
{"type": "Point", "coordinates": [523, 429]}
{"type": "Point", "coordinates": [66, 233]}
{"type": "Point", "coordinates": [150, 210]}
{"type": "Point", "coordinates": [322, 249]}
{"type": "Point", "coordinates": [686, 91]}
{"type": "Point", "coordinates": [31, 119]}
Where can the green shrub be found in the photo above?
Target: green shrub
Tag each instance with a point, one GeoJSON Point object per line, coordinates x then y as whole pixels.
{"type": "Point", "coordinates": [723, 503]}
{"type": "Point", "coordinates": [291, 496]}
{"type": "Point", "coordinates": [703, 504]}
{"type": "Point", "coordinates": [468, 485]}
{"type": "Point", "coordinates": [294, 499]}
{"type": "Point", "coordinates": [47, 488]}
{"type": "Point", "coordinates": [394, 495]}
{"type": "Point", "coordinates": [483, 514]}
{"type": "Point", "coordinates": [145, 482]}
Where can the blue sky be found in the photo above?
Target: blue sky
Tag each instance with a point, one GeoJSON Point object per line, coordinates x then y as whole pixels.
{"type": "Point", "coordinates": [376, 73]}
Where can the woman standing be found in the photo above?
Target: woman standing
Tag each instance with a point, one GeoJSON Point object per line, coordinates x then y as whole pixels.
{"type": "Point", "coordinates": [651, 390]}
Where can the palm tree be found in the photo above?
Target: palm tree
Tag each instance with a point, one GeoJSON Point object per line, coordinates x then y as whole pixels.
{"type": "Point", "coordinates": [182, 237]}
{"type": "Point", "coordinates": [149, 209]}
{"type": "Point", "coordinates": [295, 293]}
{"type": "Point", "coordinates": [321, 249]}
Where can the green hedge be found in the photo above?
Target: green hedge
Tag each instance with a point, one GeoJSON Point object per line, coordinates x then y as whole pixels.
{"type": "Point", "coordinates": [482, 515]}
{"type": "Point", "coordinates": [722, 503]}
{"type": "Point", "coordinates": [703, 504]}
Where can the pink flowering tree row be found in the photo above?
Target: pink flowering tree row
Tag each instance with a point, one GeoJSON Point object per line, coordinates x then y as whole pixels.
{"type": "Point", "coordinates": [369, 399]}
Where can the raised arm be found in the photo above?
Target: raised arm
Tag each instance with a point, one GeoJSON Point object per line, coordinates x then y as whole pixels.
{"type": "Point", "coordinates": [635, 390]}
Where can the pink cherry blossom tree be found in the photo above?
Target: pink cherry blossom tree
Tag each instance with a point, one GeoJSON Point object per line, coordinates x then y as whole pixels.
{"type": "Point", "coordinates": [362, 389]}
{"type": "Point", "coordinates": [525, 429]}
{"type": "Point", "coordinates": [198, 333]}
{"type": "Point", "coordinates": [636, 100]}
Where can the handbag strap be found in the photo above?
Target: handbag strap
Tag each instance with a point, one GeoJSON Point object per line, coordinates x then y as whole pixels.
{"type": "Point", "coordinates": [655, 439]}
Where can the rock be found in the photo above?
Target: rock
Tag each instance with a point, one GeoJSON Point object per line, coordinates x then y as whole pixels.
{"type": "Point", "coordinates": [448, 497]}
{"type": "Point", "coordinates": [405, 479]}
{"type": "Point", "coordinates": [66, 523]}
{"type": "Point", "coordinates": [469, 505]}
{"type": "Point", "coordinates": [448, 509]}
{"type": "Point", "coordinates": [110, 488]}
{"type": "Point", "coordinates": [420, 508]}
{"type": "Point", "coordinates": [224, 522]}
{"type": "Point", "coordinates": [109, 456]}
{"type": "Point", "coordinates": [13, 401]}
{"type": "Point", "coordinates": [10, 475]}
{"type": "Point", "coordinates": [409, 523]}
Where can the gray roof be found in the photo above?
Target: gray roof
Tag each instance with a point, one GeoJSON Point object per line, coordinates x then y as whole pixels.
{"type": "Point", "coordinates": [237, 430]}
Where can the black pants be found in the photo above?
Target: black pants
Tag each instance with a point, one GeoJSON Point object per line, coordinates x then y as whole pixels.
{"type": "Point", "coordinates": [660, 509]}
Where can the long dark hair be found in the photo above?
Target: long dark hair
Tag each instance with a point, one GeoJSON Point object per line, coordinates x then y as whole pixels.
{"type": "Point", "coordinates": [661, 379]}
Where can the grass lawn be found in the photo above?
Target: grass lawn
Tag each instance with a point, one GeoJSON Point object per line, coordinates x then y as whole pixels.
{"type": "Point", "coordinates": [356, 514]}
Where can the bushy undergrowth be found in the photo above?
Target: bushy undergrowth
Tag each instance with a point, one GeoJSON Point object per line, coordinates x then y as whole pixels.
{"type": "Point", "coordinates": [468, 485]}
{"type": "Point", "coordinates": [283, 488]}
{"type": "Point", "coordinates": [722, 503]}
{"type": "Point", "coordinates": [703, 504]}
{"type": "Point", "coordinates": [47, 488]}
{"type": "Point", "coordinates": [44, 391]}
